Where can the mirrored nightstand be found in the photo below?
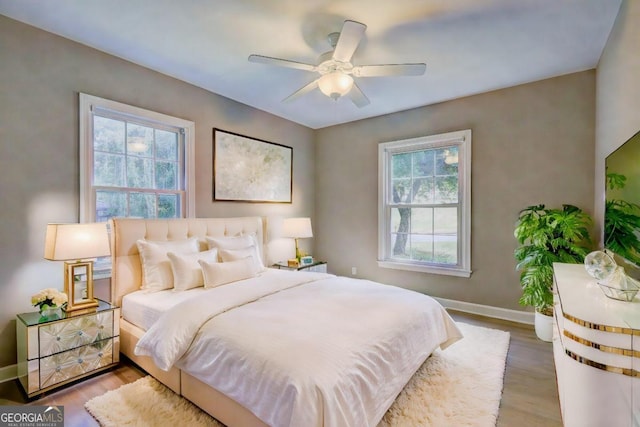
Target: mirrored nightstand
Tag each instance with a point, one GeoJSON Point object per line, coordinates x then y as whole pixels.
{"type": "Point", "coordinates": [316, 266]}
{"type": "Point", "coordinates": [55, 351]}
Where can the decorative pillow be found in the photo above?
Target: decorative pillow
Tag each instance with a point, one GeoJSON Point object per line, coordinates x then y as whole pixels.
{"type": "Point", "coordinates": [234, 255]}
{"type": "Point", "coordinates": [236, 242]}
{"type": "Point", "coordinates": [230, 242]}
{"type": "Point", "coordinates": [221, 273]}
{"type": "Point", "coordinates": [156, 268]}
{"type": "Point", "coordinates": [255, 241]}
{"type": "Point", "coordinates": [187, 273]}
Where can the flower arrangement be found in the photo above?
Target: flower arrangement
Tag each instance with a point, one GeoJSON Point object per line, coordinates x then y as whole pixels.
{"type": "Point", "coordinates": [49, 298]}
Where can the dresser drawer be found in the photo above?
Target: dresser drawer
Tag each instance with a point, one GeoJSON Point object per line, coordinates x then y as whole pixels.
{"type": "Point", "coordinates": [70, 364]}
{"type": "Point", "coordinates": [70, 333]}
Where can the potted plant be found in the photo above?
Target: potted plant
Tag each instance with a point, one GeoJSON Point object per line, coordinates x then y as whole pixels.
{"type": "Point", "coordinates": [547, 236]}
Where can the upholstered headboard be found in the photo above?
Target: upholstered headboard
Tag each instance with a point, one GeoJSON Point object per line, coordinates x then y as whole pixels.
{"type": "Point", "coordinates": [126, 271]}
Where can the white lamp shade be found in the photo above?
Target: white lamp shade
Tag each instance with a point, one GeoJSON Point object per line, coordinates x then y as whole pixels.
{"type": "Point", "coordinates": [65, 242]}
{"type": "Point", "coordinates": [335, 84]}
{"type": "Point", "coordinates": [297, 228]}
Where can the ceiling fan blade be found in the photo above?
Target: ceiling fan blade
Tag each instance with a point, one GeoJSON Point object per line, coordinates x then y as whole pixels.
{"type": "Point", "coordinates": [302, 91]}
{"type": "Point", "coordinates": [358, 98]}
{"type": "Point", "coordinates": [381, 70]}
{"type": "Point", "coordinates": [350, 37]}
{"type": "Point", "coordinates": [281, 62]}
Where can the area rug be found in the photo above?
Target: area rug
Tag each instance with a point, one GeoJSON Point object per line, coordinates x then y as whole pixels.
{"type": "Point", "coordinates": [459, 386]}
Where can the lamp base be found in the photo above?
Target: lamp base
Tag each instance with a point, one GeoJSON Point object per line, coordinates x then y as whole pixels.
{"type": "Point", "coordinates": [298, 253]}
{"type": "Point", "coordinates": [81, 311]}
{"type": "Point", "coordinates": [78, 285]}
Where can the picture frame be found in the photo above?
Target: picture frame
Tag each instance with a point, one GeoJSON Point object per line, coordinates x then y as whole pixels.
{"type": "Point", "coordinates": [252, 170]}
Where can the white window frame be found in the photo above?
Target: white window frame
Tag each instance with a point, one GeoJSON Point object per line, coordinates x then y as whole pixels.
{"type": "Point", "coordinates": [88, 104]}
{"type": "Point", "coordinates": [460, 139]}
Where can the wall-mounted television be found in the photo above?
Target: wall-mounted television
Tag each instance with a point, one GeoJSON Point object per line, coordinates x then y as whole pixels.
{"type": "Point", "coordinates": [622, 208]}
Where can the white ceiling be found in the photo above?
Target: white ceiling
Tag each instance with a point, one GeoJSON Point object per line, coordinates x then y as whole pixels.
{"type": "Point", "coordinates": [469, 46]}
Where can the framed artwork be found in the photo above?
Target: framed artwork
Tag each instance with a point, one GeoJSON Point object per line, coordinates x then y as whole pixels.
{"type": "Point", "coordinates": [251, 170]}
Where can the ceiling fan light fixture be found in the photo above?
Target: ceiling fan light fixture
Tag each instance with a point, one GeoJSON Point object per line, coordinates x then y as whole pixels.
{"type": "Point", "coordinates": [335, 84]}
{"type": "Point", "coordinates": [336, 70]}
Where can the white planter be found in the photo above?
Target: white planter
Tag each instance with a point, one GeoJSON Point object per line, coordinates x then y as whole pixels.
{"type": "Point", "coordinates": [544, 327]}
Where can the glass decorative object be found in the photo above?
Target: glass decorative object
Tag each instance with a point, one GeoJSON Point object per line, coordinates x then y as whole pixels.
{"type": "Point", "coordinates": [610, 277]}
{"type": "Point", "coordinates": [51, 313]}
{"type": "Point", "coordinates": [619, 286]}
{"type": "Point", "coordinates": [599, 265]}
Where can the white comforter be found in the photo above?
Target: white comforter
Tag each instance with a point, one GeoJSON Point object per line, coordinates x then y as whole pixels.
{"type": "Point", "coordinates": [303, 349]}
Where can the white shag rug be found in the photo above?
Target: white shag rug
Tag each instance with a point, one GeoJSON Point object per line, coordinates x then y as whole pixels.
{"type": "Point", "coordinates": [460, 386]}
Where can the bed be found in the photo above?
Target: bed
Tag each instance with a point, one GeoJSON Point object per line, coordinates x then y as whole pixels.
{"type": "Point", "coordinates": [278, 348]}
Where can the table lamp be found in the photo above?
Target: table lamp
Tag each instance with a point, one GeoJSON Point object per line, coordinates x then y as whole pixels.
{"type": "Point", "coordinates": [76, 245]}
{"type": "Point", "coordinates": [297, 228]}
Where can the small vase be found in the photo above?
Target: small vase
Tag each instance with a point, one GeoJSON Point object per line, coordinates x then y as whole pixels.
{"type": "Point", "coordinates": [51, 313]}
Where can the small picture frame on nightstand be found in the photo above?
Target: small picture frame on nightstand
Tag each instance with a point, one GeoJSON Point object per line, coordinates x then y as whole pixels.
{"type": "Point", "coordinates": [306, 260]}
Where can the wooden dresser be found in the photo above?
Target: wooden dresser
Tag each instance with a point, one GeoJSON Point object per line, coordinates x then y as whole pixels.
{"type": "Point", "coordinates": [596, 347]}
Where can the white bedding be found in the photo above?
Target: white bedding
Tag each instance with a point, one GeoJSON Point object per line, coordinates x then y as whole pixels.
{"type": "Point", "coordinates": [303, 349]}
{"type": "Point", "coordinates": [143, 307]}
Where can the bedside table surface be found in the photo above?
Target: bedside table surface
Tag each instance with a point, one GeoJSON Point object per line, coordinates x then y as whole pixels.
{"type": "Point", "coordinates": [34, 318]}
{"type": "Point", "coordinates": [314, 263]}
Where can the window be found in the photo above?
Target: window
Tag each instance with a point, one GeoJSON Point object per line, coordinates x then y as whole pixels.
{"type": "Point", "coordinates": [424, 219]}
{"type": "Point", "coordinates": [133, 162]}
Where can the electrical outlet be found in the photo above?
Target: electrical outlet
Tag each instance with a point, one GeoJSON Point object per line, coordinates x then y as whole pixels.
{"type": "Point", "coordinates": [354, 271]}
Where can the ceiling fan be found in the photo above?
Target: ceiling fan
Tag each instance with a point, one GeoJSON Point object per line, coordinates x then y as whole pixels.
{"type": "Point", "coordinates": [336, 70]}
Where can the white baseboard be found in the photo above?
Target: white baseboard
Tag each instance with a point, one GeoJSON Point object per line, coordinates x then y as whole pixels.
{"type": "Point", "coordinates": [8, 373]}
{"type": "Point", "coordinates": [489, 311]}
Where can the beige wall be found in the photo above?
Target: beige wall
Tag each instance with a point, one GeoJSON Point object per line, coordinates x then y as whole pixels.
{"type": "Point", "coordinates": [40, 77]}
{"type": "Point", "coordinates": [618, 93]}
{"type": "Point", "coordinates": [531, 144]}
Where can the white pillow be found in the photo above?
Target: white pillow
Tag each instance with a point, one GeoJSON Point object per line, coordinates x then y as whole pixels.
{"type": "Point", "coordinates": [187, 273]}
{"type": "Point", "coordinates": [230, 242]}
{"type": "Point", "coordinates": [237, 242]}
{"type": "Point", "coordinates": [254, 236]}
{"type": "Point", "coordinates": [156, 268]}
{"type": "Point", "coordinates": [234, 255]}
{"type": "Point", "coordinates": [221, 273]}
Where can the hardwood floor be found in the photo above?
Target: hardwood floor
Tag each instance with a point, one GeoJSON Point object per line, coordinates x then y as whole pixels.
{"type": "Point", "coordinates": [530, 393]}
{"type": "Point", "coordinates": [74, 396]}
{"type": "Point", "coordinates": [529, 398]}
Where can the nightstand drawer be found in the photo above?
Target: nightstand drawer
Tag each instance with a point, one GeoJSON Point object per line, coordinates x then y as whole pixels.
{"type": "Point", "coordinates": [74, 363]}
{"type": "Point", "coordinates": [75, 332]}
{"type": "Point", "coordinates": [319, 268]}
